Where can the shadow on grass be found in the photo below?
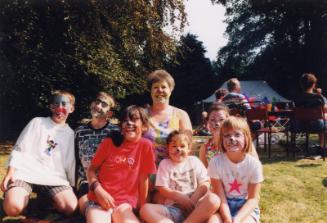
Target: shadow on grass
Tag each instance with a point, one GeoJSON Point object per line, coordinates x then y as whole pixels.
{"type": "Point", "coordinates": [324, 182]}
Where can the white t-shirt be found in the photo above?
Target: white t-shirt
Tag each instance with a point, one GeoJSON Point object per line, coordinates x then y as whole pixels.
{"type": "Point", "coordinates": [236, 176]}
{"type": "Point", "coordinates": [44, 153]}
{"type": "Point", "coordinates": [183, 177]}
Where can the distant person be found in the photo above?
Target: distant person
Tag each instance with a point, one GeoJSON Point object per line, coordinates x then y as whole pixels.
{"type": "Point", "coordinates": [182, 180]}
{"type": "Point", "coordinates": [87, 138]}
{"type": "Point", "coordinates": [217, 114]}
{"type": "Point", "coordinates": [234, 98]}
{"type": "Point", "coordinates": [119, 172]}
{"type": "Point", "coordinates": [310, 98]}
{"type": "Point", "coordinates": [236, 176]}
{"type": "Point", "coordinates": [43, 160]}
{"type": "Point", "coordinates": [220, 94]}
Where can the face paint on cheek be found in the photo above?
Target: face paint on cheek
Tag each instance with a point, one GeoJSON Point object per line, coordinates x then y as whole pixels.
{"type": "Point", "coordinates": [61, 104]}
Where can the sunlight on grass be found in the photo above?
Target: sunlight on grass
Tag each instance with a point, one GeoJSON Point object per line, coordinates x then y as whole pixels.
{"type": "Point", "coordinates": [293, 190]}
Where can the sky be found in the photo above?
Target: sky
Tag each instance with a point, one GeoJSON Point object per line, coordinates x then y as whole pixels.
{"type": "Point", "coordinates": [206, 22]}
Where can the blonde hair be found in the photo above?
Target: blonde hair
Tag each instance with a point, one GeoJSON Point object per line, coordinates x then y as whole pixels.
{"type": "Point", "coordinates": [62, 93]}
{"type": "Point", "coordinates": [110, 99]}
{"type": "Point", "coordinates": [233, 123]}
{"type": "Point", "coordinates": [232, 84]}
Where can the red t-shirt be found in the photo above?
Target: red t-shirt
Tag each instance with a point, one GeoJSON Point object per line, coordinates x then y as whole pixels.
{"type": "Point", "coordinates": [120, 168]}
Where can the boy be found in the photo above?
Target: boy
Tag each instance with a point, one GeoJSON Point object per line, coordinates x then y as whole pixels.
{"type": "Point", "coordinates": [183, 181]}
{"type": "Point", "coordinates": [43, 160]}
{"type": "Point", "coordinates": [87, 138]}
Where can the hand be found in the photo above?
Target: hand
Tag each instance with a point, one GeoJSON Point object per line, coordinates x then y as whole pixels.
{"type": "Point", "coordinates": [185, 203]}
{"type": "Point", "coordinates": [105, 200]}
{"type": "Point", "coordinates": [7, 179]}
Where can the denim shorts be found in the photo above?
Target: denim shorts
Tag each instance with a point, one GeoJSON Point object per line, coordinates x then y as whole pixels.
{"type": "Point", "coordinates": [235, 205]}
{"type": "Point", "coordinates": [315, 125]}
{"type": "Point", "coordinates": [174, 213]}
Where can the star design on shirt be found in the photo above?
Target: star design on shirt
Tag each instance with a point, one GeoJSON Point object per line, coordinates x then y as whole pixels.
{"type": "Point", "coordinates": [235, 186]}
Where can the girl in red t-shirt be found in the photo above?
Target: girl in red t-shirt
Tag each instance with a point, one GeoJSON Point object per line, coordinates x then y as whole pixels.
{"type": "Point", "coordinates": [123, 164]}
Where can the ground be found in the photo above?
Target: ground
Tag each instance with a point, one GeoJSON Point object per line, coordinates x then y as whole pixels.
{"type": "Point", "coordinates": [294, 190]}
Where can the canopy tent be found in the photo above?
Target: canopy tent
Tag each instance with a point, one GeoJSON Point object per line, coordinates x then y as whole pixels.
{"type": "Point", "coordinates": [254, 89]}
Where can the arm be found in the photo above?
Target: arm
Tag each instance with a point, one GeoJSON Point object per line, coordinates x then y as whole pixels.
{"type": "Point", "coordinates": [200, 191]}
{"type": "Point", "coordinates": [184, 121]}
{"type": "Point", "coordinates": [8, 178]}
{"type": "Point", "coordinates": [143, 189]}
{"type": "Point", "coordinates": [250, 204]}
{"type": "Point", "coordinates": [202, 155]}
{"type": "Point", "coordinates": [182, 199]}
{"type": "Point", "coordinates": [218, 189]}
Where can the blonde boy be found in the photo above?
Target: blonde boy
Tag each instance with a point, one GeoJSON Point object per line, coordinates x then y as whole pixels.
{"type": "Point", "coordinates": [43, 160]}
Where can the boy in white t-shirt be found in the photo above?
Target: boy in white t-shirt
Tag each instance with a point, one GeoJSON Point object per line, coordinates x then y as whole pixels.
{"type": "Point", "coordinates": [43, 160]}
{"type": "Point", "coordinates": [182, 180]}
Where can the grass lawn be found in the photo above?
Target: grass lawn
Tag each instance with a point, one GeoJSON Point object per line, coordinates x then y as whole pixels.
{"type": "Point", "coordinates": [294, 190]}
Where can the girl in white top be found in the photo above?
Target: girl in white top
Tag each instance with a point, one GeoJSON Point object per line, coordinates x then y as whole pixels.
{"type": "Point", "coordinates": [235, 175]}
{"type": "Point", "coordinates": [183, 182]}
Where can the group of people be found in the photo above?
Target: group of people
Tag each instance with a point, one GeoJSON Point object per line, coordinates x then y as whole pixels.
{"type": "Point", "coordinates": [140, 170]}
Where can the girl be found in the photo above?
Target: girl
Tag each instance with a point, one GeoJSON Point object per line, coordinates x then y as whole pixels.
{"type": "Point", "coordinates": [123, 164]}
{"type": "Point", "coordinates": [182, 180]}
{"type": "Point", "coordinates": [217, 113]}
{"type": "Point", "coordinates": [235, 175]}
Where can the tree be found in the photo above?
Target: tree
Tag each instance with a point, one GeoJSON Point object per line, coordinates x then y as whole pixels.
{"type": "Point", "coordinates": [192, 72]}
{"type": "Point", "coordinates": [276, 41]}
{"type": "Point", "coordinates": [84, 46]}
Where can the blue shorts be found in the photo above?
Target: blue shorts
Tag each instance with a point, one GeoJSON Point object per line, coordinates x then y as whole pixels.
{"type": "Point", "coordinates": [315, 125]}
{"type": "Point", "coordinates": [235, 205]}
{"type": "Point", "coordinates": [174, 213]}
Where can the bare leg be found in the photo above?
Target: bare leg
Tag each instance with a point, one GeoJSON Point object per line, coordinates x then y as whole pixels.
{"type": "Point", "coordinates": [15, 201]}
{"type": "Point", "coordinates": [215, 219]}
{"type": "Point", "coordinates": [124, 214]}
{"type": "Point", "coordinates": [204, 209]}
{"type": "Point", "coordinates": [98, 215]}
{"type": "Point", "coordinates": [154, 213]}
{"type": "Point", "coordinates": [81, 203]}
{"type": "Point", "coordinates": [66, 202]}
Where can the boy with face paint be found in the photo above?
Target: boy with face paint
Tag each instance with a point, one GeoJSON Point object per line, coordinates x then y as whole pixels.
{"type": "Point", "coordinates": [87, 138]}
{"type": "Point", "coordinates": [43, 160]}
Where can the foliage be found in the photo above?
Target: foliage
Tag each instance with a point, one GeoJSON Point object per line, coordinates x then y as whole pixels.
{"type": "Point", "coordinates": [275, 40]}
{"type": "Point", "coordinates": [192, 72]}
{"type": "Point", "coordinates": [84, 46]}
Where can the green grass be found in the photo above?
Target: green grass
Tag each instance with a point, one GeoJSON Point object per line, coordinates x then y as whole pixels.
{"type": "Point", "coordinates": [294, 190]}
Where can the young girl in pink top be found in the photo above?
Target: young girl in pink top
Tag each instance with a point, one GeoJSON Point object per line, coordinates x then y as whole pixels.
{"type": "Point", "coordinates": [217, 113]}
{"type": "Point", "coordinates": [123, 164]}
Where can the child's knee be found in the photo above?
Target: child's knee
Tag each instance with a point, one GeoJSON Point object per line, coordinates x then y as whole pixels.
{"type": "Point", "coordinates": [12, 209]}
{"type": "Point", "coordinates": [212, 200]}
{"type": "Point", "coordinates": [67, 208]}
{"type": "Point", "coordinates": [123, 208]}
{"type": "Point", "coordinates": [146, 208]}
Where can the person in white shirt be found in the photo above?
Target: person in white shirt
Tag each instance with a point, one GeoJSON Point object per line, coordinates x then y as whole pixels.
{"type": "Point", "coordinates": [183, 181]}
{"type": "Point", "coordinates": [236, 176]}
{"type": "Point", "coordinates": [43, 160]}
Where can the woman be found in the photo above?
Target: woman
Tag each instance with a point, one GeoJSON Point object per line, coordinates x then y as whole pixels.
{"type": "Point", "coordinates": [163, 117]}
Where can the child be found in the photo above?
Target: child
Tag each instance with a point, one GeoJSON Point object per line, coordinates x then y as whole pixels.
{"type": "Point", "coordinates": [87, 138]}
{"type": "Point", "coordinates": [235, 175]}
{"type": "Point", "coordinates": [124, 163]}
{"type": "Point", "coordinates": [43, 160]}
{"type": "Point", "coordinates": [217, 113]}
{"type": "Point", "coordinates": [182, 180]}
